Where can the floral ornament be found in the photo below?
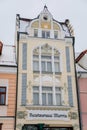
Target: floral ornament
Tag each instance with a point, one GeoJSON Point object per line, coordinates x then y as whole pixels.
{"type": "Point", "coordinates": [21, 114]}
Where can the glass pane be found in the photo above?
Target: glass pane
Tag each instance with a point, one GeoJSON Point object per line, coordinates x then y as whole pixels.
{"type": "Point", "coordinates": [36, 66]}
{"type": "Point", "coordinates": [43, 99]}
{"type": "Point", "coordinates": [35, 32]}
{"type": "Point", "coordinates": [47, 34]}
{"type": "Point", "coordinates": [49, 67]}
{"type": "Point", "coordinates": [47, 89]}
{"type": "Point", "coordinates": [56, 57]}
{"type": "Point", "coordinates": [57, 67]}
{"type": "Point", "coordinates": [35, 88]}
{"type": "Point", "coordinates": [58, 89]}
{"type": "Point", "coordinates": [35, 57]}
{"type": "Point", "coordinates": [46, 57]}
{"type": "Point", "coordinates": [55, 34]}
{"type": "Point", "coordinates": [50, 99]}
{"type": "Point", "coordinates": [58, 99]}
{"type": "Point", "coordinates": [36, 98]}
{"type": "Point", "coordinates": [43, 34]}
{"type": "Point", "coordinates": [43, 66]}
{"type": "Point", "coordinates": [2, 89]}
{"type": "Point", "coordinates": [2, 101]}
{"type": "Point", "coordinates": [29, 127]}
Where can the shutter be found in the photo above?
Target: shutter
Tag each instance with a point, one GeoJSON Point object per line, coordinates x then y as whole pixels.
{"type": "Point", "coordinates": [24, 87]}
{"type": "Point", "coordinates": [24, 56]}
{"type": "Point", "coordinates": [70, 93]}
{"type": "Point", "coordinates": [67, 59]}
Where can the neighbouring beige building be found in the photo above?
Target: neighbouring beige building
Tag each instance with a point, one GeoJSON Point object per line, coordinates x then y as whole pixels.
{"type": "Point", "coordinates": [46, 94]}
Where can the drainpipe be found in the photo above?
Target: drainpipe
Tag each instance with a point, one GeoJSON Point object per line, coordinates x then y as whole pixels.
{"type": "Point", "coordinates": [77, 88]}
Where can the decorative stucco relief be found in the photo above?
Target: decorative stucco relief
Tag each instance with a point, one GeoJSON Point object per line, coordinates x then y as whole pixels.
{"type": "Point", "coordinates": [73, 115]}
{"type": "Point", "coordinates": [21, 114]}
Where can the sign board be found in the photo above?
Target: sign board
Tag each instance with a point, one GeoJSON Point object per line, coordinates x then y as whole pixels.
{"type": "Point", "coordinates": [48, 115]}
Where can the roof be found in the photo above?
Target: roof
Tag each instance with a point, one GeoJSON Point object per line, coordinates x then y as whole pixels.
{"type": "Point", "coordinates": [8, 55]}
{"type": "Point", "coordinates": [81, 59]}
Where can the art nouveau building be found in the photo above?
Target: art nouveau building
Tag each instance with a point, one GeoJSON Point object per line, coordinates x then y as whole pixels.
{"type": "Point", "coordinates": [46, 95]}
{"type": "Point", "coordinates": [8, 70]}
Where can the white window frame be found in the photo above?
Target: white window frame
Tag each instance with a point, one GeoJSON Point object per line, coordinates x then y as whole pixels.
{"type": "Point", "coordinates": [40, 94]}
{"type": "Point", "coordinates": [45, 33]}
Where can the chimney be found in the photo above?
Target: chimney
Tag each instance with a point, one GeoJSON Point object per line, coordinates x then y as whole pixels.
{"type": "Point", "coordinates": [1, 46]}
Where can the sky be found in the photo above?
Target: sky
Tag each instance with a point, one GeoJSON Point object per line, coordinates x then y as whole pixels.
{"type": "Point", "coordinates": [74, 10]}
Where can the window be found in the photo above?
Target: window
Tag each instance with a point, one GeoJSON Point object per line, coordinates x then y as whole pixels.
{"type": "Point", "coordinates": [24, 56]}
{"type": "Point", "coordinates": [58, 95]}
{"type": "Point", "coordinates": [45, 94]}
{"type": "Point", "coordinates": [2, 95]}
{"type": "Point", "coordinates": [46, 34]}
{"type": "Point", "coordinates": [0, 126]}
{"type": "Point", "coordinates": [35, 33]}
{"type": "Point", "coordinates": [35, 95]}
{"type": "Point", "coordinates": [35, 62]}
{"type": "Point", "coordinates": [46, 59]}
{"type": "Point", "coordinates": [56, 34]}
{"type": "Point", "coordinates": [46, 64]}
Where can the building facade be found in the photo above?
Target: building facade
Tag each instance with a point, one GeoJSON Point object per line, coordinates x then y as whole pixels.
{"type": "Point", "coordinates": [8, 71]}
{"type": "Point", "coordinates": [46, 94]}
{"type": "Point", "coordinates": [81, 67]}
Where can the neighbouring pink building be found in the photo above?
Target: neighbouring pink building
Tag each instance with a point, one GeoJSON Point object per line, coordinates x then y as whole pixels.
{"type": "Point", "coordinates": [81, 66]}
{"type": "Point", "coordinates": [8, 70]}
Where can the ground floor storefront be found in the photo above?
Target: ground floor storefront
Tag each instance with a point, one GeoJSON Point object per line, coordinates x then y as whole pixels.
{"type": "Point", "coordinates": [44, 127]}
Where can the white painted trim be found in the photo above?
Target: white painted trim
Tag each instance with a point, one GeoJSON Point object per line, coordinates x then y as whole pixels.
{"type": "Point", "coordinates": [8, 70]}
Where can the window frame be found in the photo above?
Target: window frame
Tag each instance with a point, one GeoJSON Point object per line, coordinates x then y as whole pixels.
{"type": "Point", "coordinates": [35, 92]}
{"type": "Point", "coordinates": [45, 60]}
{"type": "Point", "coordinates": [55, 34]}
{"type": "Point", "coordinates": [45, 33]}
{"type": "Point", "coordinates": [46, 101]}
{"type": "Point", "coordinates": [47, 92]}
{"type": "Point", "coordinates": [3, 93]}
{"type": "Point", "coordinates": [35, 32]}
{"type": "Point", "coordinates": [35, 59]}
{"type": "Point", "coordinates": [43, 63]}
{"type": "Point", "coordinates": [59, 92]}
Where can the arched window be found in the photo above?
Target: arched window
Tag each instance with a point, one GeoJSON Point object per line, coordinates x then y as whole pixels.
{"type": "Point", "coordinates": [46, 59]}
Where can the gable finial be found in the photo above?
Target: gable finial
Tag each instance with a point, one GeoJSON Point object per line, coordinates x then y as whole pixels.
{"type": "Point", "coordinates": [45, 7]}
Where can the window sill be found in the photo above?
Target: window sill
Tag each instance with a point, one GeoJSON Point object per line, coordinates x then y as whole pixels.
{"type": "Point", "coordinates": [57, 73]}
{"type": "Point", "coordinates": [46, 72]}
{"type": "Point", "coordinates": [36, 71]}
{"type": "Point", "coordinates": [3, 105]}
{"type": "Point", "coordinates": [47, 107]}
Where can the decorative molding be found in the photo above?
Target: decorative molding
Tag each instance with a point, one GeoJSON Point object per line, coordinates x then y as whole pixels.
{"type": "Point", "coordinates": [19, 126]}
{"type": "Point", "coordinates": [10, 70]}
{"type": "Point", "coordinates": [73, 115]}
{"type": "Point", "coordinates": [21, 114]}
{"type": "Point", "coordinates": [76, 126]}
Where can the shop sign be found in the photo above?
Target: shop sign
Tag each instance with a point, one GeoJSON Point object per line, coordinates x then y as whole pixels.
{"type": "Point", "coordinates": [48, 115]}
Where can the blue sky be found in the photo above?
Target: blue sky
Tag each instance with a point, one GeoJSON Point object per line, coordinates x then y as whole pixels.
{"type": "Point", "coordinates": [74, 10]}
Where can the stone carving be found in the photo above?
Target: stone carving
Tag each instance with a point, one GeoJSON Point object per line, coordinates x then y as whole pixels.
{"type": "Point", "coordinates": [21, 114]}
{"type": "Point", "coordinates": [73, 115]}
{"type": "Point", "coordinates": [56, 52]}
{"type": "Point", "coordinates": [75, 126]}
{"type": "Point", "coordinates": [19, 126]}
{"type": "Point", "coordinates": [46, 49]}
{"type": "Point", "coordinates": [36, 51]}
